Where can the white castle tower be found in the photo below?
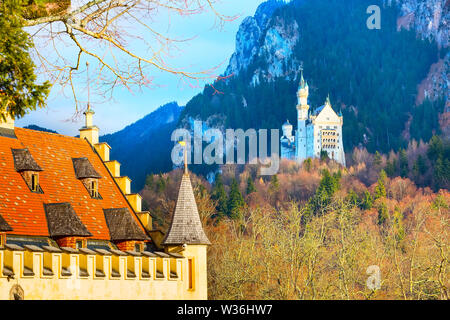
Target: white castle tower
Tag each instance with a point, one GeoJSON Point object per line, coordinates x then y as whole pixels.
{"type": "Point", "coordinates": [302, 118]}
{"type": "Point", "coordinates": [317, 131]}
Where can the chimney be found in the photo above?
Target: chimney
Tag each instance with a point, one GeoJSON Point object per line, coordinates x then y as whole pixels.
{"type": "Point", "coordinates": [89, 131]}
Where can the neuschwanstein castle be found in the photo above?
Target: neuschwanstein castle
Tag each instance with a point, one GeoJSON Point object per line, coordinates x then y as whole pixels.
{"type": "Point", "coordinates": [319, 130]}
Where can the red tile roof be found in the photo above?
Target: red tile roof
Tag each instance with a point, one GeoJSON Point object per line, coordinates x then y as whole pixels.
{"type": "Point", "coordinates": [24, 211]}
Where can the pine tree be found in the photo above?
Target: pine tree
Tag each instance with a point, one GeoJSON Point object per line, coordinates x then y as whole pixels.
{"type": "Point", "coordinates": [274, 186]}
{"type": "Point", "coordinates": [403, 163]}
{"type": "Point", "coordinates": [441, 175]}
{"type": "Point", "coordinates": [324, 155]}
{"type": "Point", "coordinates": [219, 194]}
{"type": "Point", "coordinates": [352, 198]}
{"type": "Point", "coordinates": [382, 213]}
{"type": "Point", "coordinates": [367, 201]}
{"type": "Point", "coordinates": [435, 148]}
{"type": "Point", "coordinates": [308, 164]}
{"type": "Point", "coordinates": [380, 189]}
{"type": "Point", "coordinates": [19, 92]}
{"type": "Point", "coordinates": [161, 184]}
{"type": "Point", "coordinates": [377, 159]}
{"type": "Point", "coordinates": [390, 168]}
{"type": "Point", "coordinates": [398, 224]}
{"type": "Point", "coordinates": [235, 201]}
{"type": "Point", "coordinates": [420, 166]}
{"type": "Point", "coordinates": [149, 181]}
{"type": "Point", "coordinates": [250, 186]}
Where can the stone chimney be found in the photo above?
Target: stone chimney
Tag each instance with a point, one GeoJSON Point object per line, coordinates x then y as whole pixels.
{"type": "Point", "coordinates": [89, 131]}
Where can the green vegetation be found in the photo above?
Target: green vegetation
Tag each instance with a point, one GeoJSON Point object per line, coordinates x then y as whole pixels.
{"type": "Point", "coordinates": [235, 202]}
{"type": "Point", "coordinates": [220, 196]}
{"type": "Point", "coordinates": [19, 90]}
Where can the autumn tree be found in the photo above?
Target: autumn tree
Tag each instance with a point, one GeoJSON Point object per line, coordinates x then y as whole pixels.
{"type": "Point", "coordinates": [220, 196]}
{"type": "Point", "coordinates": [380, 189]}
{"type": "Point", "coordinates": [235, 202]}
{"type": "Point", "coordinates": [367, 201]}
{"type": "Point", "coordinates": [250, 186]}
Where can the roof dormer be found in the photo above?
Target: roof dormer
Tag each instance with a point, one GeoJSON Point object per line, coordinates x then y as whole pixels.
{"type": "Point", "coordinates": [28, 168]}
{"type": "Point", "coordinates": [85, 172]}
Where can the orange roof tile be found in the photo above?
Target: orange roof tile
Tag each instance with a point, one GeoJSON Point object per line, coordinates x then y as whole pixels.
{"type": "Point", "coordinates": [24, 211]}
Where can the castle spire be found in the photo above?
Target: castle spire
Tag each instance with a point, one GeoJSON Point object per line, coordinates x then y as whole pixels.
{"type": "Point", "coordinates": [89, 131]}
{"type": "Point", "coordinates": [303, 84]}
{"type": "Point", "coordinates": [186, 227]}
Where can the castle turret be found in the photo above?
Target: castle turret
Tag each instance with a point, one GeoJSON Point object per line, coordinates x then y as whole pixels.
{"type": "Point", "coordinates": [302, 117]}
{"type": "Point", "coordinates": [287, 129]}
{"type": "Point", "coordinates": [89, 131]}
{"type": "Point", "coordinates": [302, 96]}
{"type": "Point", "coordinates": [186, 236]}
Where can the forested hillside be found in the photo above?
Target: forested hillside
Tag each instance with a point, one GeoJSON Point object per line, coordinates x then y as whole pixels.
{"type": "Point", "coordinates": [312, 231]}
{"type": "Point", "coordinates": [144, 147]}
{"type": "Point", "coordinates": [371, 75]}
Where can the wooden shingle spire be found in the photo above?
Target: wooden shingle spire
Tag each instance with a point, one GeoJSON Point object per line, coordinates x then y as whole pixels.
{"type": "Point", "coordinates": [186, 227]}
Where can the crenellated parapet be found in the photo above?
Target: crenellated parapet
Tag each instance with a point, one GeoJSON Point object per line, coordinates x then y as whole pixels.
{"type": "Point", "coordinates": [68, 270]}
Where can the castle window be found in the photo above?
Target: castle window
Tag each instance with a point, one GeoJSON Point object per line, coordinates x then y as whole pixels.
{"type": "Point", "coordinates": [93, 189]}
{"type": "Point", "coordinates": [2, 240]}
{"type": "Point", "coordinates": [81, 244]}
{"type": "Point", "coordinates": [28, 168]}
{"type": "Point", "coordinates": [191, 274]}
{"type": "Point", "coordinates": [85, 172]}
{"type": "Point", "coordinates": [138, 247]}
{"type": "Point", "coordinates": [34, 182]}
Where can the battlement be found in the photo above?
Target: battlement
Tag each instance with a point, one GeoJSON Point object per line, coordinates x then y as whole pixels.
{"type": "Point", "coordinates": [94, 274]}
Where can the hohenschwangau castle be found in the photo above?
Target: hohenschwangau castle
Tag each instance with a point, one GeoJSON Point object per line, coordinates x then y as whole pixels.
{"type": "Point", "coordinates": [319, 130]}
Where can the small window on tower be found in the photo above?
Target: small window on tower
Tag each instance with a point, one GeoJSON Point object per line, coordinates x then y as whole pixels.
{"type": "Point", "coordinates": [2, 240]}
{"type": "Point", "coordinates": [81, 244]}
{"type": "Point", "coordinates": [93, 189]}
{"type": "Point", "coordinates": [34, 182]}
{"type": "Point", "coordinates": [138, 247]}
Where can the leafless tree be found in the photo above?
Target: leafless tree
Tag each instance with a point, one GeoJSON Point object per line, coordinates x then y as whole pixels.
{"type": "Point", "coordinates": [112, 33]}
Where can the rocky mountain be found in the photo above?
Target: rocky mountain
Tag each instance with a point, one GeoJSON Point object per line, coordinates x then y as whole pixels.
{"type": "Point", "coordinates": [391, 84]}
{"type": "Point", "coordinates": [144, 147]}
{"type": "Point", "coordinates": [431, 20]}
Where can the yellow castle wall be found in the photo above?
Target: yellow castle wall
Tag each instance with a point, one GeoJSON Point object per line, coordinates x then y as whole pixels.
{"type": "Point", "coordinates": [59, 287]}
{"type": "Point", "coordinates": [200, 280]}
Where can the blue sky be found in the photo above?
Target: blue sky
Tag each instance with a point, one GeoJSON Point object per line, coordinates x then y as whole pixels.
{"type": "Point", "coordinates": [210, 47]}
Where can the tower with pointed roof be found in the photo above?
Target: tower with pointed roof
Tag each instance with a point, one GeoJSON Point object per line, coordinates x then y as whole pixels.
{"type": "Point", "coordinates": [317, 131]}
{"type": "Point", "coordinates": [187, 237]}
{"type": "Point", "coordinates": [302, 117]}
